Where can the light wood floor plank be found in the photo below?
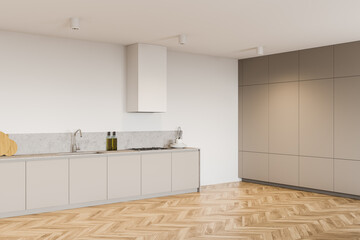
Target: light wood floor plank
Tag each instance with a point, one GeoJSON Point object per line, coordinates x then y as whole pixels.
{"type": "Point", "coordinates": [224, 211]}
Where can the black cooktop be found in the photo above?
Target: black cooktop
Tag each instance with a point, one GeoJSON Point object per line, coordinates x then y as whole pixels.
{"type": "Point", "coordinates": [148, 149]}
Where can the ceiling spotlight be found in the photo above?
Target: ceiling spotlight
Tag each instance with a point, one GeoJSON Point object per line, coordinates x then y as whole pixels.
{"type": "Point", "coordinates": [75, 23]}
{"type": "Point", "coordinates": [182, 39]}
{"type": "Point", "coordinates": [260, 50]}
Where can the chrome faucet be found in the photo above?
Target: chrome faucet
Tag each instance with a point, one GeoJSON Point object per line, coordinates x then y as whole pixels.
{"type": "Point", "coordinates": [74, 146]}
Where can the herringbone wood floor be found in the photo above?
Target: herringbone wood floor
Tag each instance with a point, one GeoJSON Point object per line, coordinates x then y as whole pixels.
{"type": "Point", "coordinates": [226, 211]}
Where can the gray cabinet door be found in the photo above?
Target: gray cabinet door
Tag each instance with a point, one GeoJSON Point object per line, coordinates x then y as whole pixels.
{"type": "Point", "coordinates": [240, 165]}
{"type": "Point", "coordinates": [124, 176]}
{"type": "Point", "coordinates": [284, 67]}
{"type": "Point", "coordinates": [317, 63]}
{"type": "Point", "coordinates": [156, 173]}
{"type": "Point", "coordinates": [347, 177]}
{"type": "Point", "coordinates": [255, 70]}
{"type": "Point", "coordinates": [284, 169]}
{"type": "Point", "coordinates": [47, 183]}
{"type": "Point", "coordinates": [316, 118]}
{"type": "Point", "coordinates": [185, 170]}
{"type": "Point", "coordinates": [283, 118]}
{"type": "Point", "coordinates": [255, 118]}
{"type": "Point", "coordinates": [317, 173]}
{"type": "Point", "coordinates": [240, 72]}
{"type": "Point", "coordinates": [347, 59]}
{"type": "Point", "coordinates": [256, 166]}
{"type": "Point", "coordinates": [347, 118]}
{"type": "Point", "coordinates": [12, 186]}
{"type": "Point", "coordinates": [88, 179]}
{"type": "Point", "coordinates": [240, 119]}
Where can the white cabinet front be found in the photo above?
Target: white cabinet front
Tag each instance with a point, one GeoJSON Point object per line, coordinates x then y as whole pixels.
{"type": "Point", "coordinates": [12, 187]}
{"type": "Point", "coordinates": [47, 183]}
{"type": "Point", "coordinates": [185, 170]}
{"type": "Point", "coordinates": [88, 179]}
{"type": "Point", "coordinates": [156, 173]}
{"type": "Point", "coordinates": [124, 176]}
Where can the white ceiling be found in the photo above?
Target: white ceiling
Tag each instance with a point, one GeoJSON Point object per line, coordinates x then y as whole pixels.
{"type": "Point", "coordinates": [213, 27]}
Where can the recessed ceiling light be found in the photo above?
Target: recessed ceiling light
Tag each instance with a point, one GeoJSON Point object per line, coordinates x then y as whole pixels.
{"type": "Point", "coordinates": [260, 50]}
{"type": "Point", "coordinates": [182, 39]}
{"type": "Point", "coordinates": [75, 23]}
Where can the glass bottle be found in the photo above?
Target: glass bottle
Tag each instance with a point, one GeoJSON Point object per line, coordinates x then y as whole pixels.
{"type": "Point", "coordinates": [108, 142]}
{"type": "Point", "coordinates": [114, 142]}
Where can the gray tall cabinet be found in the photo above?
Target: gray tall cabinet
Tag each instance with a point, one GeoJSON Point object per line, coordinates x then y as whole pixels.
{"type": "Point", "coordinates": [299, 118]}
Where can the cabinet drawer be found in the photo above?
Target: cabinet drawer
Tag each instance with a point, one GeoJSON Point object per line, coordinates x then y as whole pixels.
{"type": "Point", "coordinates": [185, 170]}
{"type": "Point", "coordinates": [47, 183]}
{"type": "Point", "coordinates": [347, 177]}
{"type": "Point", "coordinates": [277, 172]}
{"type": "Point", "coordinates": [12, 187]}
{"type": "Point", "coordinates": [317, 173]}
{"type": "Point", "coordinates": [256, 166]}
{"type": "Point", "coordinates": [88, 179]}
{"type": "Point", "coordinates": [156, 173]}
{"type": "Point", "coordinates": [240, 165]}
{"type": "Point", "coordinates": [124, 176]}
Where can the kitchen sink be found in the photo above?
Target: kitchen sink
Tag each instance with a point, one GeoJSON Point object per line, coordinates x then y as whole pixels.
{"type": "Point", "coordinates": [80, 153]}
{"type": "Point", "coordinates": [149, 148]}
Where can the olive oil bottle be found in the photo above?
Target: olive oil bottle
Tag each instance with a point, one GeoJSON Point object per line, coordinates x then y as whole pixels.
{"type": "Point", "coordinates": [114, 142]}
{"type": "Point", "coordinates": [108, 142]}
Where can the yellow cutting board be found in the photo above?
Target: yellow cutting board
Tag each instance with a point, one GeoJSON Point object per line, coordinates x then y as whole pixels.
{"type": "Point", "coordinates": [12, 149]}
{"type": "Point", "coordinates": [4, 143]}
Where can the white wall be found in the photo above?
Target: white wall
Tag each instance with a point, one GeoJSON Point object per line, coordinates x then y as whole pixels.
{"type": "Point", "coordinates": [202, 99]}
{"type": "Point", "coordinates": [58, 85]}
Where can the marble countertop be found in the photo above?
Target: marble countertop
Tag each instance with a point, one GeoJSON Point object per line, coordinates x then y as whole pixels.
{"type": "Point", "coordinates": [87, 154]}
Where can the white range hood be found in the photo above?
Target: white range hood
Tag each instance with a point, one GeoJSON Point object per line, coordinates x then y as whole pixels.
{"type": "Point", "coordinates": [146, 78]}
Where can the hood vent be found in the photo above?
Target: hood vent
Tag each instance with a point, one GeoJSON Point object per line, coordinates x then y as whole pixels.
{"type": "Point", "coordinates": [146, 78]}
